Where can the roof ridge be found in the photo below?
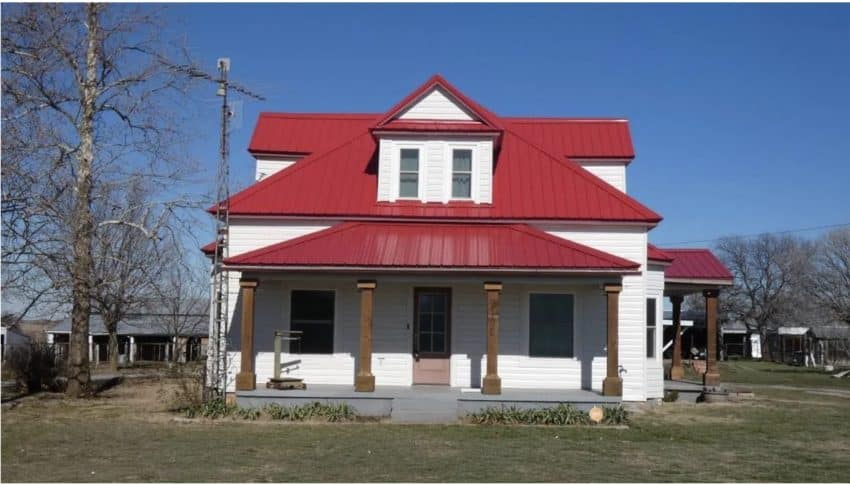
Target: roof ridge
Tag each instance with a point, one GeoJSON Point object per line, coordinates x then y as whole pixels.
{"type": "Point", "coordinates": [576, 168]}
{"type": "Point", "coordinates": [572, 245]}
{"type": "Point", "coordinates": [563, 119]}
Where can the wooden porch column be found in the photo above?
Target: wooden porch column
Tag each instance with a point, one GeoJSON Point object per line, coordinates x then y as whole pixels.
{"type": "Point", "coordinates": [246, 379]}
{"type": "Point", "coordinates": [677, 373]}
{"type": "Point", "coordinates": [365, 381]}
{"type": "Point", "coordinates": [712, 375]}
{"type": "Point", "coordinates": [612, 385]}
{"type": "Point", "coordinates": [492, 381]}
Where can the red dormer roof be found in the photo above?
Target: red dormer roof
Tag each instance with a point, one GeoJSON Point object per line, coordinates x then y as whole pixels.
{"type": "Point", "coordinates": [437, 81]}
{"type": "Point", "coordinates": [533, 177]}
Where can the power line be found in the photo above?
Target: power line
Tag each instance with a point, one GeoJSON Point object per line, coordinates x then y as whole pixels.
{"type": "Point", "coordinates": [747, 236]}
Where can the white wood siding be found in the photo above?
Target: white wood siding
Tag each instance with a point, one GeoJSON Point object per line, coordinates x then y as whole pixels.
{"type": "Point", "coordinates": [655, 367]}
{"type": "Point", "coordinates": [436, 105]}
{"type": "Point", "coordinates": [392, 334]}
{"type": "Point", "coordinates": [267, 167]}
{"type": "Point", "coordinates": [435, 167]}
{"type": "Point", "coordinates": [612, 172]}
{"type": "Point", "coordinates": [250, 234]}
{"type": "Point", "coordinates": [627, 242]}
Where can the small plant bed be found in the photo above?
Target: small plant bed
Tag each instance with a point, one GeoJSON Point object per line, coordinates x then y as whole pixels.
{"type": "Point", "coordinates": [315, 411]}
{"type": "Point", "coordinates": [560, 415]}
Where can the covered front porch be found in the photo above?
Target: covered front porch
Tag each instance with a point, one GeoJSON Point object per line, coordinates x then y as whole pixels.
{"type": "Point", "coordinates": [522, 337]}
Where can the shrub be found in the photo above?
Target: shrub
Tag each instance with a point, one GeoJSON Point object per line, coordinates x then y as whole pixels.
{"type": "Point", "coordinates": [560, 415]}
{"type": "Point", "coordinates": [250, 414]}
{"type": "Point", "coordinates": [312, 411]}
{"type": "Point", "coordinates": [616, 416]}
{"type": "Point", "coordinates": [671, 396]}
{"type": "Point", "coordinates": [188, 387]}
{"type": "Point", "coordinates": [212, 409]}
{"type": "Point", "coordinates": [34, 365]}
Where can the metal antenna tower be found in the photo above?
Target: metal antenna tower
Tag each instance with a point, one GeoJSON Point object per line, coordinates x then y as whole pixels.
{"type": "Point", "coordinates": [217, 352]}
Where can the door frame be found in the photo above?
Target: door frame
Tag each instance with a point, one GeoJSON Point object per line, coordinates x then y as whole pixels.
{"type": "Point", "coordinates": [431, 289]}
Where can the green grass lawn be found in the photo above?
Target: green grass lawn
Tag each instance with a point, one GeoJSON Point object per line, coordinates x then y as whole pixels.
{"type": "Point", "coordinates": [125, 435]}
{"type": "Point", "coordinates": [753, 372]}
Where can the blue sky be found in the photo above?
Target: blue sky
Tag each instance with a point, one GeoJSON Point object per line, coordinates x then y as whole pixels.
{"type": "Point", "coordinates": [740, 114]}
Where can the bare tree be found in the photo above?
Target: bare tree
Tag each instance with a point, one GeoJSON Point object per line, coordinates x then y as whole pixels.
{"type": "Point", "coordinates": [89, 101]}
{"type": "Point", "coordinates": [769, 273]}
{"type": "Point", "coordinates": [183, 300]}
{"type": "Point", "coordinates": [127, 263]}
{"type": "Point", "coordinates": [829, 285]}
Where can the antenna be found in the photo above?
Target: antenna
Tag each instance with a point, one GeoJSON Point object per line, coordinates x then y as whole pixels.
{"type": "Point", "coordinates": [220, 288]}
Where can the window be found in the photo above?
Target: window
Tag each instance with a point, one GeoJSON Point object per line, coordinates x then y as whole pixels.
{"type": "Point", "coordinates": [409, 173]}
{"type": "Point", "coordinates": [651, 320]}
{"type": "Point", "coordinates": [461, 173]}
{"type": "Point", "coordinates": [550, 324]}
{"type": "Point", "coordinates": [312, 312]}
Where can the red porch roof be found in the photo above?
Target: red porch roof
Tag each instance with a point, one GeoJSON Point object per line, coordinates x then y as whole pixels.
{"type": "Point", "coordinates": [696, 264]}
{"type": "Point", "coordinates": [654, 253]}
{"type": "Point", "coordinates": [430, 246]}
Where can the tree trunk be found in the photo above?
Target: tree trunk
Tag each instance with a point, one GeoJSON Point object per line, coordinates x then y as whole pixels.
{"type": "Point", "coordinates": [112, 350]}
{"type": "Point", "coordinates": [78, 358]}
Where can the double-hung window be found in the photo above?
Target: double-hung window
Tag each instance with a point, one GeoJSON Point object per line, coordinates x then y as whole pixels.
{"type": "Point", "coordinates": [651, 324]}
{"type": "Point", "coordinates": [312, 313]}
{"type": "Point", "coordinates": [461, 173]}
{"type": "Point", "coordinates": [550, 323]}
{"type": "Point", "coordinates": [408, 186]}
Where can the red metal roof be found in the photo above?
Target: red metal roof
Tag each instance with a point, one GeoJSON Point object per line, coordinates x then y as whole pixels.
{"type": "Point", "coordinates": [528, 183]}
{"type": "Point", "coordinates": [532, 179]}
{"type": "Point", "coordinates": [696, 264]}
{"type": "Point", "coordinates": [306, 133]}
{"type": "Point", "coordinates": [577, 138]}
{"type": "Point", "coordinates": [654, 253]}
{"type": "Point", "coordinates": [434, 246]}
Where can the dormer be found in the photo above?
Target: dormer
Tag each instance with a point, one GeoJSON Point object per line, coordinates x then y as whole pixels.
{"type": "Point", "coordinates": [437, 146]}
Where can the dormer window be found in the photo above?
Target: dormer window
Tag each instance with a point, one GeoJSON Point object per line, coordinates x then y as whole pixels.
{"type": "Point", "coordinates": [461, 173]}
{"type": "Point", "coordinates": [408, 187]}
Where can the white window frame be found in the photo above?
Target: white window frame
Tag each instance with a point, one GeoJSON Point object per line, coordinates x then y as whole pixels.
{"type": "Point", "coordinates": [526, 317]}
{"type": "Point", "coordinates": [655, 332]}
{"type": "Point", "coordinates": [420, 188]}
{"type": "Point", "coordinates": [451, 146]}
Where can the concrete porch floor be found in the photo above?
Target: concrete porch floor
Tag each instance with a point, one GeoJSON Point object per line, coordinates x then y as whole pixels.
{"type": "Point", "coordinates": [423, 404]}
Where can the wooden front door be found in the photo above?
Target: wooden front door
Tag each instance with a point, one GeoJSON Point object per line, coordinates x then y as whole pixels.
{"type": "Point", "coordinates": [431, 335]}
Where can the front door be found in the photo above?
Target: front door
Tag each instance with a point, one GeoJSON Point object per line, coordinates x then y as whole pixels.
{"type": "Point", "coordinates": [431, 335]}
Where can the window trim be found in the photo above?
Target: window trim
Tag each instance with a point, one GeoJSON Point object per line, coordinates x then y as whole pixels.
{"type": "Point", "coordinates": [655, 326]}
{"type": "Point", "coordinates": [420, 149]}
{"type": "Point", "coordinates": [526, 315]}
{"type": "Point", "coordinates": [451, 146]}
{"type": "Point", "coordinates": [335, 319]}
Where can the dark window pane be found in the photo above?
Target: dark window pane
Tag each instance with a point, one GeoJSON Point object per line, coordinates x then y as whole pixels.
{"type": "Point", "coordinates": [650, 342]}
{"type": "Point", "coordinates": [313, 305]}
{"type": "Point", "coordinates": [438, 342]}
{"type": "Point", "coordinates": [650, 312]}
{"type": "Point", "coordinates": [425, 321]}
{"type": "Point", "coordinates": [312, 312]}
{"type": "Point", "coordinates": [551, 325]}
{"type": "Point", "coordinates": [438, 322]}
{"type": "Point", "coordinates": [462, 160]}
{"type": "Point", "coordinates": [424, 341]}
{"type": "Point", "coordinates": [409, 160]}
{"type": "Point", "coordinates": [409, 185]}
{"type": "Point", "coordinates": [461, 185]}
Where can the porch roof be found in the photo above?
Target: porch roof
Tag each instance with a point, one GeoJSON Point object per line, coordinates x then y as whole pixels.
{"type": "Point", "coordinates": [433, 246]}
{"type": "Point", "coordinates": [699, 266]}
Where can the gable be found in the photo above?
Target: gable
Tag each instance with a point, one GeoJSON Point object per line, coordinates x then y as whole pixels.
{"type": "Point", "coordinates": [437, 105]}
